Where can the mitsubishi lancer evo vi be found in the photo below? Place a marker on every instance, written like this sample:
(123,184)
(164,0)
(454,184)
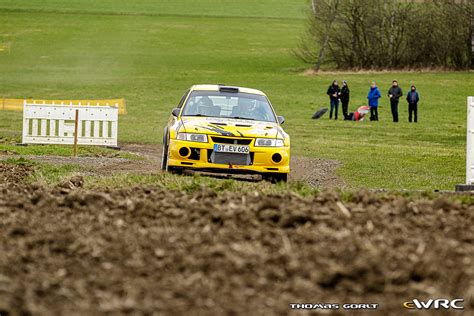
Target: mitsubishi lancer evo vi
(223,129)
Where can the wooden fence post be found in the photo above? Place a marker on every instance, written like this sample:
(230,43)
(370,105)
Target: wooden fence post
(76,124)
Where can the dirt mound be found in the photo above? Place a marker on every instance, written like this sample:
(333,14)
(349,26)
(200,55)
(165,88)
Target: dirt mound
(14,173)
(143,250)
(316,172)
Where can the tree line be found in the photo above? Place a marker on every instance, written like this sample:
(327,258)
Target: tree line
(379,34)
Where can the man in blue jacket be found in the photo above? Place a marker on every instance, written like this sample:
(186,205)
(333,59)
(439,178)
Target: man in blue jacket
(413,97)
(374,96)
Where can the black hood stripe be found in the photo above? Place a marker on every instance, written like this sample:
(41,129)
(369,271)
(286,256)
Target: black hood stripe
(217,130)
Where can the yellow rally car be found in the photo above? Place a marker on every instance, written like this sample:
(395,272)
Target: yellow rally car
(225,129)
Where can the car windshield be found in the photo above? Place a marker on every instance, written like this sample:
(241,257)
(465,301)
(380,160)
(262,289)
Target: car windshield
(229,105)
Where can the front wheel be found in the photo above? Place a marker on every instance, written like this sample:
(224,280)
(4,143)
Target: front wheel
(175,170)
(275,177)
(164,156)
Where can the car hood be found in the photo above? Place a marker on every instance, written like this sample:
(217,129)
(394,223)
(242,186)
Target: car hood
(231,127)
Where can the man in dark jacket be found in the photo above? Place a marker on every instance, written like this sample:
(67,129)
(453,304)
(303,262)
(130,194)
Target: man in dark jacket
(394,93)
(345,93)
(334,93)
(413,97)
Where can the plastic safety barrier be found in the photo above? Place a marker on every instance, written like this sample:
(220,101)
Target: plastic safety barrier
(57,124)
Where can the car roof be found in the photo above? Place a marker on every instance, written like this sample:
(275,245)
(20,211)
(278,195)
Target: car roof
(215,87)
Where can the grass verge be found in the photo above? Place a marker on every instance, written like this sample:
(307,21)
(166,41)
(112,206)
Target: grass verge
(49,175)
(8,147)
(191,183)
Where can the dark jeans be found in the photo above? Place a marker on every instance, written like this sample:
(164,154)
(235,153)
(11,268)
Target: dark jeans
(394,106)
(412,109)
(345,108)
(374,113)
(334,107)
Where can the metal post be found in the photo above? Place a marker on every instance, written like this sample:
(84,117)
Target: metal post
(76,124)
(469,186)
(470,142)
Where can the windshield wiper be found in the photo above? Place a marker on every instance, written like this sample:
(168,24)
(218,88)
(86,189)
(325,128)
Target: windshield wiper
(242,118)
(200,115)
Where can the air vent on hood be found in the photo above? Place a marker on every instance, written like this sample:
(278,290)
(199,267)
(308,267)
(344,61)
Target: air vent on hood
(243,125)
(229,89)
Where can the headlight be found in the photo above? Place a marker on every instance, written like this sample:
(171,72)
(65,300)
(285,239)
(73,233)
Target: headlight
(200,138)
(269,142)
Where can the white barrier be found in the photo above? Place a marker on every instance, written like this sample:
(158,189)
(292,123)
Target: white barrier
(470,142)
(56,123)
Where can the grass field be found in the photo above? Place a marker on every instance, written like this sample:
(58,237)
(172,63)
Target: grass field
(150,52)
(221,8)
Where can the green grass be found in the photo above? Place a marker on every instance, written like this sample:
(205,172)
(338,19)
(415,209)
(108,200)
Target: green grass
(227,8)
(154,51)
(192,183)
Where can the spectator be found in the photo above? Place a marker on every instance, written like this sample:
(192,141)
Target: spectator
(374,96)
(334,93)
(413,97)
(345,93)
(394,93)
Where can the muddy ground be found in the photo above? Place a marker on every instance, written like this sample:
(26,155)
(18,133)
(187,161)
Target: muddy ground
(70,251)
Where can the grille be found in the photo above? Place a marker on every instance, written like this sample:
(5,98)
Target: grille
(237,141)
(231,158)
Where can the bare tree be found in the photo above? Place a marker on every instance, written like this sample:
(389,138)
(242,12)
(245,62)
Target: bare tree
(313,6)
(389,34)
(332,6)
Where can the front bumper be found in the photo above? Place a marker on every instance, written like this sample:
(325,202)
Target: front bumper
(198,158)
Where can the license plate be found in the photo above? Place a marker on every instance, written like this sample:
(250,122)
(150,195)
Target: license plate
(236,149)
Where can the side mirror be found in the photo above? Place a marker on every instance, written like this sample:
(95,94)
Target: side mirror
(281,119)
(175,112)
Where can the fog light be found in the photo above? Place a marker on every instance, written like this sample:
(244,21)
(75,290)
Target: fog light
(277,158)
(184,151)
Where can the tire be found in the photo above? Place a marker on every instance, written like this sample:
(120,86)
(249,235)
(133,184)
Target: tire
(164,157)
(175,170)
(275,177)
